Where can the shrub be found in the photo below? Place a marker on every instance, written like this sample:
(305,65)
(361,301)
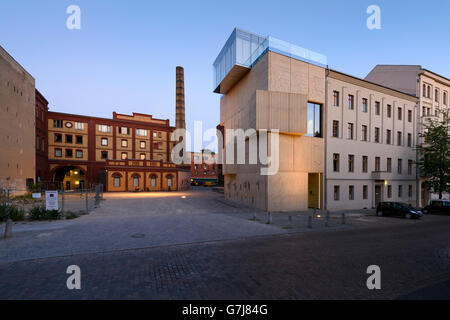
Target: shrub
(39,212)
(16,214)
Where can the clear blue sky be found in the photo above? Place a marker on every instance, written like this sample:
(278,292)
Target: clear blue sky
(124,57)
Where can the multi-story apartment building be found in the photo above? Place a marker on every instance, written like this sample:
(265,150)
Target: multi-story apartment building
(41,137)
(17,120)
(431,89)
(370,140)
(344,143)
(204,168)
(125,153)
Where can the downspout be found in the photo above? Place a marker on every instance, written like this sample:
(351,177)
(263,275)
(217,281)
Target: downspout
(325,132)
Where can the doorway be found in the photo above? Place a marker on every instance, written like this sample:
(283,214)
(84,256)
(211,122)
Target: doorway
(378,194)
(314,191)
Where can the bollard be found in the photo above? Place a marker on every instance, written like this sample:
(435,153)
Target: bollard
(62,204)
(309,222)
(254,216)
(315,213)
(87,202)
(327,219)
(8,228)
(343,218)
(269,218)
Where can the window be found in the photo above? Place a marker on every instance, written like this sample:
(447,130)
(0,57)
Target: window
(79,125)
(104,141)
(351,163)
(79,139)
(444,98)
(69,153)
(364,105)
(400,191)
(436,95)
(336,162)
(377,108)
(335,129)
(124,130)
(153,180)
(399,113)
(388,137)
(37,142)
(365,166)
(409,116)
(399,167)
(336,193)
(124,143)
(57,123)
(142,144)
(141,132)
(142,156)
(136,181)
(314,120)
(377,135)
(410,167)
(389,110)
(58,137)
(377,164)
(116,180)
(364,133)
(351,102)
(351,193)
(69,138)
(389,164)
(124,156)
(424,90)
(58,153)
(104,128)
(169,180)
(399,138)
(389,191)
(365,192)
(104,155)
(336,98)
(350,131)
(410,191)
(43,145)
(409,140)
(429,92)
(79,153)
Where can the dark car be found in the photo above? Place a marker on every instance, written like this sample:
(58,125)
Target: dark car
(397,209)
(438,207)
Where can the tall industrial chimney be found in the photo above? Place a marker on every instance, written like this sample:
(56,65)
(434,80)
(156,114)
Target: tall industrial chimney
(180,120)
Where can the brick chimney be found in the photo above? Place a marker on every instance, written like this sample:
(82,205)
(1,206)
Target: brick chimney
(180,120)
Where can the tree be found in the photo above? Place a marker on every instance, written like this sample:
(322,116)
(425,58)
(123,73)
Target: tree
(434,155)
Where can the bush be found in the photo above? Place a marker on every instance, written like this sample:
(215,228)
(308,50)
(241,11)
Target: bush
(16,214)
(71,215)
(40,213)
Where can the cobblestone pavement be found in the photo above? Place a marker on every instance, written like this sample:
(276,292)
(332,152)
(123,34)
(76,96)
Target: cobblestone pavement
(316,265)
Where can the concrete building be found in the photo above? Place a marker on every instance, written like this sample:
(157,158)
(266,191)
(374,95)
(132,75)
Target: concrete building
(344,143)
(432,91)
(17,121)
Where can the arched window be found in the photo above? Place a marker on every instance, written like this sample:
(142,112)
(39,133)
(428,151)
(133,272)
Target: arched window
(153,180)
(169,180)
(136,178)
(424,90)
(429,92)
(117,177)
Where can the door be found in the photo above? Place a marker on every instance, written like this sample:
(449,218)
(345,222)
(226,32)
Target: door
(67,185)
(378,194)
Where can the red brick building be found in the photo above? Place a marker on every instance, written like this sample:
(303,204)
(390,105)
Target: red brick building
(204,169)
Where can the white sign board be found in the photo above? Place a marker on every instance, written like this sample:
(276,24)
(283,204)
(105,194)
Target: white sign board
(36,195)
(51,200)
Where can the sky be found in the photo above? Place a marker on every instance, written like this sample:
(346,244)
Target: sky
(124,56)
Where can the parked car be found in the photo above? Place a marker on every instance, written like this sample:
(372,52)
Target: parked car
(397,209)
(437,207)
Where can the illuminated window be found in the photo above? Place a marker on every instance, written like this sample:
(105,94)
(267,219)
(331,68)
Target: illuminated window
(79,125)
(141,132)
(124,143)
(104,141)
(104,128)
(124,155)
(142,156)
(142,144)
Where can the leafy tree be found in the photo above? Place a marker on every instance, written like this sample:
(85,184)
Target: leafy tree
(434,154)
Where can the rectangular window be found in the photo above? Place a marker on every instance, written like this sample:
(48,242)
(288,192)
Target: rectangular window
(336,193)
(336,98)
(350,131)
(58,137)
(377,108)
(79,125)
(69,153)
(37,142)
(409,116)
(410,191)
(400,191)
(409,140)
(351,163)
(124,143)
(410,167)
(389,192)
(445,98)
(336,162)
(142,144)
(335,129)
(399,167)
(377,135)
(43,145)
(104,128)
(388,137)
(124,130)
(58,153)
(104,141)
(364,133)
(79,139)
(314,120)
(79,154)
(69,138)
(141,132)
(365,192)
(389,165)
(389,111)
(399,111)
(351,102)
(365,164)
(364,105)
(399,138)
(377,164)
(351,193)
(57,123)
(124,156)
(104,155)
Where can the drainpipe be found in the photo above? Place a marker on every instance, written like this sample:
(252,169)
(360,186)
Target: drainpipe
(325,135)
(416,136)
